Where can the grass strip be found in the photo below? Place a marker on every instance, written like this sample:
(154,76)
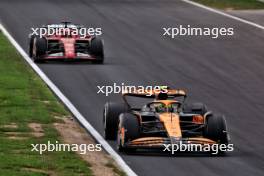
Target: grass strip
(233,4)
(25,99)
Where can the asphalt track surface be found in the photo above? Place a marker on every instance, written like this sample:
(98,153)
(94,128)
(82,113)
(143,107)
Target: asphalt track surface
(226,73)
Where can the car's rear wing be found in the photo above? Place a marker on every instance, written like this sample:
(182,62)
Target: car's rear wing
(152,93)
(155,93)
(64,24)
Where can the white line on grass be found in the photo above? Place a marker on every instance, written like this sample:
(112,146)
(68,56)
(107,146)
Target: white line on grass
(224,14)
(69,105)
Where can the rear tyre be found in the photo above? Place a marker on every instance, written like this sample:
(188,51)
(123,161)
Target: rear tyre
(112,111)
(128,129)
(39,49)
(97,49)
(215,129)
(195,108)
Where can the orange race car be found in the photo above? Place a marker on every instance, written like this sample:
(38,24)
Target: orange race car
(162,122)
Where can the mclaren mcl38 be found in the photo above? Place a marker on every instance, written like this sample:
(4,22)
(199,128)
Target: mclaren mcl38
(164,119)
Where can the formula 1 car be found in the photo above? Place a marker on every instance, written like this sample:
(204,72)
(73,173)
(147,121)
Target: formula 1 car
(165,120)
(65,45)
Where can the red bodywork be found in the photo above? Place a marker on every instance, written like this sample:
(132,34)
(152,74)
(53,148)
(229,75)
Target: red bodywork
(68,41)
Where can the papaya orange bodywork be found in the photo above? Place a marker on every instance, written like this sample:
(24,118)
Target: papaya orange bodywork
(171,122)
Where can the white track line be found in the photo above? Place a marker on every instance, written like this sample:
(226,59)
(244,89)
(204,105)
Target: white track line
(224,14)
(69,105)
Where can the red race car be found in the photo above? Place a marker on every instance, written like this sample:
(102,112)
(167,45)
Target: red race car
(67,45)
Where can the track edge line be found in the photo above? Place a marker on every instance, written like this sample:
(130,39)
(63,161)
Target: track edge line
(69,105)
(224,14)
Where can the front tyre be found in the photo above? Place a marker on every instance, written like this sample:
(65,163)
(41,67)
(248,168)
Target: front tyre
(40,48)
(128,129)
(112,110)
(215,129)
(31,42)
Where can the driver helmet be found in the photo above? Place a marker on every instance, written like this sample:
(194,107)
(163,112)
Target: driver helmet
(160,107)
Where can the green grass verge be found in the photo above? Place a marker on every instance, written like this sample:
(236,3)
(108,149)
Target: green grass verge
(233,4)
(24,98)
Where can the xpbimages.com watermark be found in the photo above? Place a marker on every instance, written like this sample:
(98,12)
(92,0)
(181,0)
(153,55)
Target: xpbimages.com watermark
(62,31)
(58,147)
(188,30)
(116,89)
(212,148)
